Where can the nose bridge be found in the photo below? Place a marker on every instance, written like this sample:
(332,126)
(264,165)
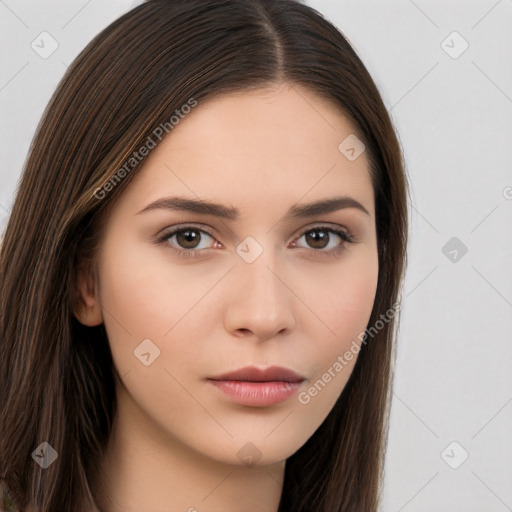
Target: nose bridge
(261,302)
(257,268)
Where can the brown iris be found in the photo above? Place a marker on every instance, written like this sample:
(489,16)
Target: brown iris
(187,237)
(317,238)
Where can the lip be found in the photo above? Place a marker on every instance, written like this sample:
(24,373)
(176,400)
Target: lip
(258,387)
(254,374)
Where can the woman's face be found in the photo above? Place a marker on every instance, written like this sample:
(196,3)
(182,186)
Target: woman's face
(246,285)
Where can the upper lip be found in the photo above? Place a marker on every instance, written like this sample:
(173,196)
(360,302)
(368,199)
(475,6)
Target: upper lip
(253,374)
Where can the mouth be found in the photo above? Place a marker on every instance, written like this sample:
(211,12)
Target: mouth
(257,387)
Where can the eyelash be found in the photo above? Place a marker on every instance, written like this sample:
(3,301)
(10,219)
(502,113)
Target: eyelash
(194,253)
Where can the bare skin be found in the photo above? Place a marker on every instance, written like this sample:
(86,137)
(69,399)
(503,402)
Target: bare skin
(179,442)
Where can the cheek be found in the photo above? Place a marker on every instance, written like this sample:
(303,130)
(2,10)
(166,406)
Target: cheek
(146,297)
(344,303)
(342,296)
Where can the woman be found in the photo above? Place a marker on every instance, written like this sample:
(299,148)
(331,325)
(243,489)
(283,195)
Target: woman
(202,270)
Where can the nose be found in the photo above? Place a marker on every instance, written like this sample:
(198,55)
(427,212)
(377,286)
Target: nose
(259,304)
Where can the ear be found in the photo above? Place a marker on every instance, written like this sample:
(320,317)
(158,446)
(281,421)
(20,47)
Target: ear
(88,310)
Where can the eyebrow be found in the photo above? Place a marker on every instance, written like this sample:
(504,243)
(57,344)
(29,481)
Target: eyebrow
(204,207)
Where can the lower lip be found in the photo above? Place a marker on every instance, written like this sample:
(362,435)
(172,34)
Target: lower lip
(257,393)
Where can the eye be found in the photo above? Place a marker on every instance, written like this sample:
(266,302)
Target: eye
(188,239)
(326,238)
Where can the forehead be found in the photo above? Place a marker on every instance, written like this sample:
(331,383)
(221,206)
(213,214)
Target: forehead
(254,146)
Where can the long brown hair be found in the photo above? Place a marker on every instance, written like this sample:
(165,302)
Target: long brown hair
(57,376)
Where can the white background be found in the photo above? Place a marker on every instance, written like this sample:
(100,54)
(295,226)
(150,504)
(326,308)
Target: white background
(453,115)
